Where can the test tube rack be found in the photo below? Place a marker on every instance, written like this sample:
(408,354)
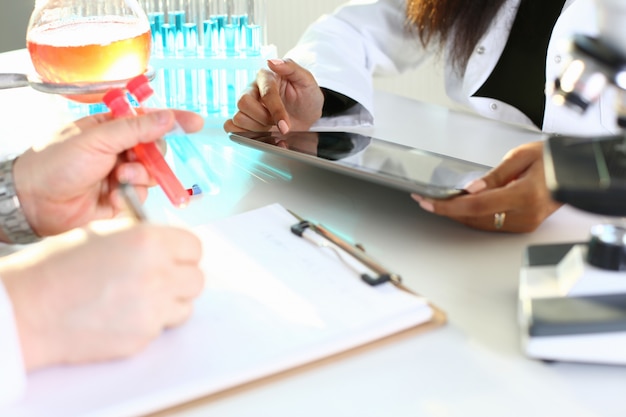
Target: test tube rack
(205,53)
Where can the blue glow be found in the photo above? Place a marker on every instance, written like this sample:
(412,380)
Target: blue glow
(212,91)
(190,164)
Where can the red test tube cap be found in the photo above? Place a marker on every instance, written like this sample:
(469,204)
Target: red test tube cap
(116,100)
(140,87)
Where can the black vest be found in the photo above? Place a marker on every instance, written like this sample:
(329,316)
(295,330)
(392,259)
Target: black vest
(519,77)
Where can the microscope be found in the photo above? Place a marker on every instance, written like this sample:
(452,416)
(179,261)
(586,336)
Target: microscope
(572,296)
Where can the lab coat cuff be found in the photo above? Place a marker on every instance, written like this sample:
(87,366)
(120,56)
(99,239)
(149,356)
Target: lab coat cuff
(356,116)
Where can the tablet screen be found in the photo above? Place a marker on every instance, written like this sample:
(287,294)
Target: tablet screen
(402,167)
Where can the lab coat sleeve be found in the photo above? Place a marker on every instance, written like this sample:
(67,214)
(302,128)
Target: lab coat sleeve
(12,372)
(344,50)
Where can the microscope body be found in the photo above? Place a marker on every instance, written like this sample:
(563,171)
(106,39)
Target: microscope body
(612,23)
(572,296)
(590,172)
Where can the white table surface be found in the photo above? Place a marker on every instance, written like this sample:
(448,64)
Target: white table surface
(473,366)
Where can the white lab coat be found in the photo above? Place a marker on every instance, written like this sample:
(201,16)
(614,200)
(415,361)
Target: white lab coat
(12,373)
(365,38)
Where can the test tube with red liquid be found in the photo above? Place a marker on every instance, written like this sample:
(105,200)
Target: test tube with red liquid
(148,153)
(193,162)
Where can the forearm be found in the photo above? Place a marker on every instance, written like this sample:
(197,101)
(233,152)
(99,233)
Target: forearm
(12,371)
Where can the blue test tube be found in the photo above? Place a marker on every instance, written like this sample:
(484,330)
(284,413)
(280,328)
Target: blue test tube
(168,39)
(238,18)
(219,76)
(176,18)
(242,20)
(255,26)
(212,91)
(190,39)
(210,37)
(190,36)
(210,96)
(156,21)
(168,36)
(253,39)
(220,22)
(231,39)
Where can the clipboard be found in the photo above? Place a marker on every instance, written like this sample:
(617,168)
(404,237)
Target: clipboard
(439,319)
(262,315)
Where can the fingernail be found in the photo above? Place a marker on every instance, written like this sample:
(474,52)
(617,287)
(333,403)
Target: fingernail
(131,155)
(424,204)
(427,205)
(283,127)
(127,174)
(276,61)
(162,116)
(475,186)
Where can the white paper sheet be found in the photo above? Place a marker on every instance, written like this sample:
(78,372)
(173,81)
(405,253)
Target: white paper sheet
(272,301)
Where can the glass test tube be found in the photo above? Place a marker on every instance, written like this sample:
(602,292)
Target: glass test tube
(148,153)
(255,26)
(192,37)
(213,29)
(191,164)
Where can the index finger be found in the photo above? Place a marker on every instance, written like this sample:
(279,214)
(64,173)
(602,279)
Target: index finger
(189,121)
(118,135)
(481,204)
(270,96)
(514,163)
(184,246)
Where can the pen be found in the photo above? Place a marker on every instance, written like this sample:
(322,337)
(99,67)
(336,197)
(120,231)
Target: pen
(132,201)
(384,275)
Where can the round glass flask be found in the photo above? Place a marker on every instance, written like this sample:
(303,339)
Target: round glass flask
(82,42)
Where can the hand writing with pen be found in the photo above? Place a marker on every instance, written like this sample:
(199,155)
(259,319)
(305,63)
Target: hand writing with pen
(91,295)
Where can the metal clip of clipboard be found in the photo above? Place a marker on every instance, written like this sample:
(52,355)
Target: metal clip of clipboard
(383,275)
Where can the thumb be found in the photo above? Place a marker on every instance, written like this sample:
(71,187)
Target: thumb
(119,135)
(513,165)
(292,72)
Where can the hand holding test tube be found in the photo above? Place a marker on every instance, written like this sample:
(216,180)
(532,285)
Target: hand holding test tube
(148,153)
(186,151)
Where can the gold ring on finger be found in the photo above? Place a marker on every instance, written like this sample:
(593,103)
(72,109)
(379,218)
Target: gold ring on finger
(498,220)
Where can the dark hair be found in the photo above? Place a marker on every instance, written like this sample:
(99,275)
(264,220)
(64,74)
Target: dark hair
(464,20)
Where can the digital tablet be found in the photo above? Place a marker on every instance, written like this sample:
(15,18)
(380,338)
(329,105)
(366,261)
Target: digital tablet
(391,164)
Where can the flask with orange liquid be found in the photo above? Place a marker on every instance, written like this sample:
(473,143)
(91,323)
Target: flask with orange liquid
(87,41)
